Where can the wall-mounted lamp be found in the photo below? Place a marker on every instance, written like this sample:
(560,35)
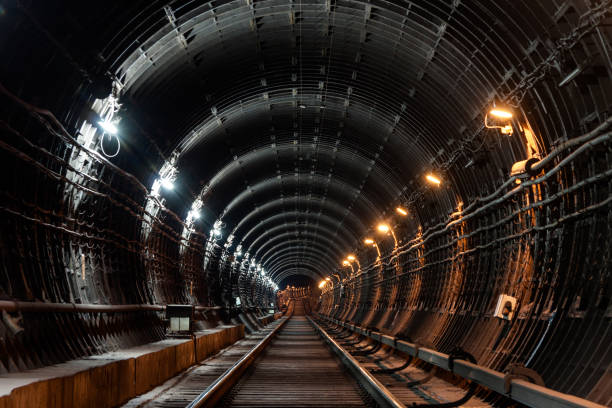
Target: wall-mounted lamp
(108,127)
(383,228)
(499,117)
(353,258)
(167,183)
(347,263)
(386,228)
(370,241)
(433,179)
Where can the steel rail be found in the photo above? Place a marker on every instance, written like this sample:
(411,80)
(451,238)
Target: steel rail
(374,387)
(232,375)
(522,391)
(19,306)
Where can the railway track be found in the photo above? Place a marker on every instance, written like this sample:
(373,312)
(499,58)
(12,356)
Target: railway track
(297,362)
(298,370)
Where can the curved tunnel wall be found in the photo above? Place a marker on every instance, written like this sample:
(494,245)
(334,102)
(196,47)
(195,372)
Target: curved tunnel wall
(296,127)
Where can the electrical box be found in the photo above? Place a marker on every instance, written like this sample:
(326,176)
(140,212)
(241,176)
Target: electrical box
(506,307)
(180,317)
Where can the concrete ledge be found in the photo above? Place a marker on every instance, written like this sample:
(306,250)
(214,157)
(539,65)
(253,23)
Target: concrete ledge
(111,379)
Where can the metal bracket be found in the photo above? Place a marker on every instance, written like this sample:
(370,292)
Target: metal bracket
(459,354)
(519,371)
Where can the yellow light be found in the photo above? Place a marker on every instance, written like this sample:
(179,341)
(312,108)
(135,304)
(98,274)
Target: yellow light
(501,113)
(321,284)
(351,257)
(400,210)
(327,279)
(433,179)
(383,228)
(368,241)
(345,263)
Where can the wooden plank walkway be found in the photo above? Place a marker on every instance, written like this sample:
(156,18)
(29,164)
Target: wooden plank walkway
(183,388)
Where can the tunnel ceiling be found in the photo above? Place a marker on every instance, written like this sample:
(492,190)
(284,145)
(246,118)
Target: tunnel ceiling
(300,124)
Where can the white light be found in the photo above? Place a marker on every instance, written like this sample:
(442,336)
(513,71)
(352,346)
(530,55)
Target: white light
(195,214)
(109,127)
(167,184)
(217,232)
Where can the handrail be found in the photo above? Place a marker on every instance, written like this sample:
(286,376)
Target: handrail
(226,381)
(19,306)
(522,391)
(374,387)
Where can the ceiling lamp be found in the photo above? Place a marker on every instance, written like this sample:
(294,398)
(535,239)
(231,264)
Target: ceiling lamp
(351,257)
(368,241)
(322,284)
(401,211)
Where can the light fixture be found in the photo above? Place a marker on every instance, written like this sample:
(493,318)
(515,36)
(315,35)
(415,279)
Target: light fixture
(433,179)
(322,284)
(351,257)
(167,184)
(345,263)
(401,211)
(383,227)
(108,127)
(501,113)
(195,214)
(328,279)
(370,241)
(501,117)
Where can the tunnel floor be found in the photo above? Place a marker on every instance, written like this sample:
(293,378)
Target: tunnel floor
(297,370)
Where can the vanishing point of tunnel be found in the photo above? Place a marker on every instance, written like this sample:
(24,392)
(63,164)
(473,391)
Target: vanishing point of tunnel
(306,203)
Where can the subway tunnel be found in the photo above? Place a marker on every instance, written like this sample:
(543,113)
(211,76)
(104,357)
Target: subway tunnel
(306,203)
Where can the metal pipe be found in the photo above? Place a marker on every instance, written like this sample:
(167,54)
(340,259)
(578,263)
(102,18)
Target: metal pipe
(19,306)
